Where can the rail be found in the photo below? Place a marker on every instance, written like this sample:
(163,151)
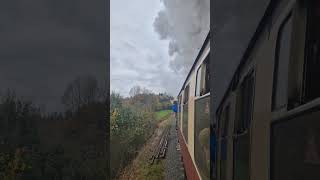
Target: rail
(160,150)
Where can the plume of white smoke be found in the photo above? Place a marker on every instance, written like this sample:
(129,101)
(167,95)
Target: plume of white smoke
(185,23)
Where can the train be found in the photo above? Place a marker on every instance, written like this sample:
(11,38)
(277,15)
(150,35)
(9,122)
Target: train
(267,125)
(193,117)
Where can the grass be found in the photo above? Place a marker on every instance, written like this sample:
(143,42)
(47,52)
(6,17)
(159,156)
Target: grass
(162,114)
(156,170)
(152,172)
(140,169)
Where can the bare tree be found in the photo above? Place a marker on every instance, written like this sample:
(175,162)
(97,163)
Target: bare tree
(81,91)
(146,91)
(135,90)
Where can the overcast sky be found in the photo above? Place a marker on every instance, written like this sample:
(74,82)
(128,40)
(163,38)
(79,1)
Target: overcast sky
(153,43)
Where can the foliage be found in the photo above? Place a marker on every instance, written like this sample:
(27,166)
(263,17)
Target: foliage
(71,145)
(58,145)
(132,122)
(152,172)
(130,127)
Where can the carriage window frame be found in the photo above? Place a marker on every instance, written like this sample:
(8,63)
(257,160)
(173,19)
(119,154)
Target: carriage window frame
(286,23)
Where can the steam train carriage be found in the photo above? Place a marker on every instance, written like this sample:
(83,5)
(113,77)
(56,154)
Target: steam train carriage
(193,117)
(268,123)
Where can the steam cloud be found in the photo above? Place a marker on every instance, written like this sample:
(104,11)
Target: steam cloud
(185,23)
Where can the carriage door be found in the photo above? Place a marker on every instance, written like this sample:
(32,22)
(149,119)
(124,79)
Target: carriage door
(241,134)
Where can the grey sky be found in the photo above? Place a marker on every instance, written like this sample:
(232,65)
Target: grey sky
(147,47)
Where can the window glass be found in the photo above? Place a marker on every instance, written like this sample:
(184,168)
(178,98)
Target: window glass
(281,71)
(185,122)
(202,136)
(205,75)
(295,142)
(224,123)
(202,78)
(179,111)
(198,83)
(186,95)
(241,142)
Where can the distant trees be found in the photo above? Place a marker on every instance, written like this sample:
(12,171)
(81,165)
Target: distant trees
(143,97)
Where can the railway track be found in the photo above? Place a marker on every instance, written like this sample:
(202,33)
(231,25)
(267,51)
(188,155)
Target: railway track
(159,152)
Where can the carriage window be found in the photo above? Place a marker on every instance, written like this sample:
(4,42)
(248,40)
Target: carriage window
(245,105)
(207,75)
(241,143)
(202,122)
(186,95)
(311,65)
(185,114)
(179,110)
(281,69)
(203,77)
(198,84)
(295,150)
(312,62)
